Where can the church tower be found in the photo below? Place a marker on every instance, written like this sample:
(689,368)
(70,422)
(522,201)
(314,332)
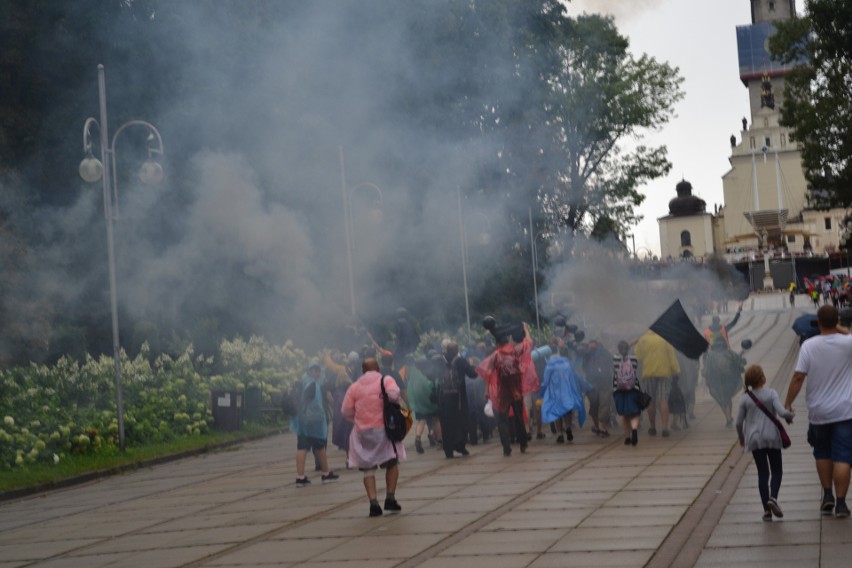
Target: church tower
(766,185)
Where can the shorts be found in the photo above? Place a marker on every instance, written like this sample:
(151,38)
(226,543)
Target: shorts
(832,441)
(310,443)
(425,415)
(390,463)
(658,387)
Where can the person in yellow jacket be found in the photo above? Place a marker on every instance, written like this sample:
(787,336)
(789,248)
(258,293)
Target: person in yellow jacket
(659,366)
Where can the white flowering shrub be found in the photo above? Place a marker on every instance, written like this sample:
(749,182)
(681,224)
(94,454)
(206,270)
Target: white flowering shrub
(50,411)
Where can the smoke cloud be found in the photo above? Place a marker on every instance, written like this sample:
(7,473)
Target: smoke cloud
(276,129)
(620,9)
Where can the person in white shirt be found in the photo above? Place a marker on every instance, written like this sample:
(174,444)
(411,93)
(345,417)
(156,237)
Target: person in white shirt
(826,361)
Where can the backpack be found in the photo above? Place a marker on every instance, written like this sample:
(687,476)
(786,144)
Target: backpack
(448,383)
(396,421)
(625,377)
(311,412)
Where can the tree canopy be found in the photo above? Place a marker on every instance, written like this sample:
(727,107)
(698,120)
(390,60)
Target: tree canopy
(818,96)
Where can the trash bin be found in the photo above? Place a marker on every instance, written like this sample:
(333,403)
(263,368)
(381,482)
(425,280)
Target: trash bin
(254,402)
(227,409)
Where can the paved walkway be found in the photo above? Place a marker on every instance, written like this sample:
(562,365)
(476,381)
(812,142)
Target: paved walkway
(688,500)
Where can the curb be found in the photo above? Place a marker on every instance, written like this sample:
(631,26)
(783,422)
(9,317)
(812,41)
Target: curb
(14,494)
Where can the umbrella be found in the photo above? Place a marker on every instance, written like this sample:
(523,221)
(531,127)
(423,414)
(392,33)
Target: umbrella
(675,327)
(806,326)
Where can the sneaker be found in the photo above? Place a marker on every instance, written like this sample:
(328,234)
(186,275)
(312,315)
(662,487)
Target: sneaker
(392,506)
(418,445)
(772,505)
(595,430)
(652,431)
(569,435)
(560,439)
(302,482)
(665,433)
(767,516)
(331,476)
(841,510)
(375,511)
(539,436)
(507,452)
(432,441)
(523,448)
(463,452)
(634,437)
(827,506)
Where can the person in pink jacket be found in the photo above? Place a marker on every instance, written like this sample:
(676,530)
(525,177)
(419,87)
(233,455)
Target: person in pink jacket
(369,446)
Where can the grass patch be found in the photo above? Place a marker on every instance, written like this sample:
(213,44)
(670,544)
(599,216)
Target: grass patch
(73,465)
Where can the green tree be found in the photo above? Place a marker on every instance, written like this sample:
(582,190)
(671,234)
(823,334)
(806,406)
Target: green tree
(818,96)
(600,98)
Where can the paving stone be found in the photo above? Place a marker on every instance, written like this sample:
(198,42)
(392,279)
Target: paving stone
(506,542)
(590,503)
(604,559)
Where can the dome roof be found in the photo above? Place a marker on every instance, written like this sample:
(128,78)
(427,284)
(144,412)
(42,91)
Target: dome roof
(685,203)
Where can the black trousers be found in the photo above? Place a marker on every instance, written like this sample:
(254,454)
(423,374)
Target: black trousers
(768,462)
(505,423)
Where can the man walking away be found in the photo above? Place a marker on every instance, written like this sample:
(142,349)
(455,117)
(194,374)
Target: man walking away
(826,361)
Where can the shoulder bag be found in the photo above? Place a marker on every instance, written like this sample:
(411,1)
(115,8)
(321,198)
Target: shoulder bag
(785,438)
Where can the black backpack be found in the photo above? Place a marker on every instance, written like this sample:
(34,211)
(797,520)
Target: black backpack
(294,400)
(448,383)
(396,426)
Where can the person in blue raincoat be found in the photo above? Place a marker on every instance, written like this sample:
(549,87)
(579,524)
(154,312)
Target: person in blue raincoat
(310,424)
(562,390)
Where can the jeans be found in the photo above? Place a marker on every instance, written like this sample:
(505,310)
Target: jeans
(768,460)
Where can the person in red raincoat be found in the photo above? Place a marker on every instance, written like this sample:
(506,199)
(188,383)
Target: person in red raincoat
(504,371)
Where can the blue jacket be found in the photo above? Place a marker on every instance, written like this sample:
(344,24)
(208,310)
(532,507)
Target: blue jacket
(562,391)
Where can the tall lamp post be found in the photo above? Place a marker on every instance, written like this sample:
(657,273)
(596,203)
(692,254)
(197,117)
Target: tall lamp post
(348,228)
(484,238)
(534,251)
(91,170)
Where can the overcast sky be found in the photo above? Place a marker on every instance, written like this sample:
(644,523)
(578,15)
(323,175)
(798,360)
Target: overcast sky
(700,39)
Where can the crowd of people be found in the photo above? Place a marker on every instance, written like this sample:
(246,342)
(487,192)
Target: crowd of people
(825,290)
(459,398)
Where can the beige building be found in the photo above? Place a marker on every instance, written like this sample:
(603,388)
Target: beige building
(765,191)
(687,231)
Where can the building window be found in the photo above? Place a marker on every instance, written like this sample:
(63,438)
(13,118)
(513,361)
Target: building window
(791,238)
(767,142)
(828,223)
(783,139)
(685,239)
(751,142)
(771,6)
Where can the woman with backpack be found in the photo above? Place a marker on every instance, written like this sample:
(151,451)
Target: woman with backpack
(625,388)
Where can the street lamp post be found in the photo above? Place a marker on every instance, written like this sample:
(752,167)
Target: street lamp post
(484,238)
(91,170)
(348,228)
(534,252)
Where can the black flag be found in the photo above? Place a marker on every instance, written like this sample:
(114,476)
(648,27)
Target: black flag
(675,327)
